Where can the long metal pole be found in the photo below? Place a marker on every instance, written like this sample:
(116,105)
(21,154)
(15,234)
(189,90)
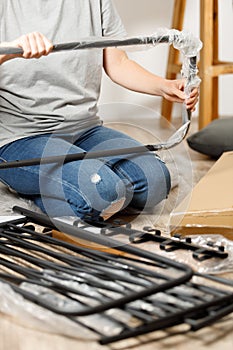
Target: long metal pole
(95,44)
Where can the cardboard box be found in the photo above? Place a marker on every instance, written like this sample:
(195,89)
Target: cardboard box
(209,207)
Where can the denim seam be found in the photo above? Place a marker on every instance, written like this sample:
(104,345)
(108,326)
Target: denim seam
(124,174)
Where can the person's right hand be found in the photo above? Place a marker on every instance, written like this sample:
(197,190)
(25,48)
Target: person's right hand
(34,45)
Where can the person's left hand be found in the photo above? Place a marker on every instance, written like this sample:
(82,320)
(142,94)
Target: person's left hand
(192,100)
(173,91)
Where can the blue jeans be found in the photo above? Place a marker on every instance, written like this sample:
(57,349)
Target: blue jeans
(94,188)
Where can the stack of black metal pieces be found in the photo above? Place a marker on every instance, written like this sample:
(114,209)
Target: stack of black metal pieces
(131,290)
(119,228)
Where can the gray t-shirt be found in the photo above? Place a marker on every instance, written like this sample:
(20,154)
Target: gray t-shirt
(59,92)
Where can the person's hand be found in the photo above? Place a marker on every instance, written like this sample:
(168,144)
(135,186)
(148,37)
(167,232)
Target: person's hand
(192,100)
(173,91)
(34,45)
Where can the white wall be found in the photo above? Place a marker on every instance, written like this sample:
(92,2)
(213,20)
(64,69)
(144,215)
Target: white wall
(144,17)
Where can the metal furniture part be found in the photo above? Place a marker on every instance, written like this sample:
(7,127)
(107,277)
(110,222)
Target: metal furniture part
(135,290)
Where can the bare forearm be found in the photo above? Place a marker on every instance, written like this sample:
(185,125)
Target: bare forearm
(131,75)
(4,58)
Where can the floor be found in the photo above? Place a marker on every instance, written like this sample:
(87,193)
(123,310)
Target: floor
(187,167)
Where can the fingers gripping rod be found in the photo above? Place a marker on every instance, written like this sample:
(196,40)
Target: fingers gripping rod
(188,45)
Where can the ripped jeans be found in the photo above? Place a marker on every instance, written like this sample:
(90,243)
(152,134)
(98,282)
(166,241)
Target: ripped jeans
(93,188)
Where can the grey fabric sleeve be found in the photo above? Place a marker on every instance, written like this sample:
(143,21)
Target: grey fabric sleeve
(111,21)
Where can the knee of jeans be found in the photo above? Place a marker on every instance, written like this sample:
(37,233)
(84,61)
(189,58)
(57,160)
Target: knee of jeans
(100,196)
(54,207)
(160,187)
(109,195)
(156,187)
(97,195)
(167,178)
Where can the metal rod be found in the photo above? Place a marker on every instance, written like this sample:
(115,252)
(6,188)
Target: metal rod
(96,43)
(170,143)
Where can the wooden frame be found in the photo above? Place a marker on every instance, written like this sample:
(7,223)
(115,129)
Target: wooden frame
(210,66)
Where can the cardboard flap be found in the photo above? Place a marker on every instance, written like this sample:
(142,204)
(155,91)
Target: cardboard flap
(210,203)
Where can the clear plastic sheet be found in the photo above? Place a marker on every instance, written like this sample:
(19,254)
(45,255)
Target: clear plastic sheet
(31,314)
(97,322)
(208,266)
(215,266)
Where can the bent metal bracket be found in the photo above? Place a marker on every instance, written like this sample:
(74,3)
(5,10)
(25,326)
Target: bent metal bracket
(186,43)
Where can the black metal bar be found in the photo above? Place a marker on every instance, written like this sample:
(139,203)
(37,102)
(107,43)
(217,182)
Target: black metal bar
(97,43)
(98,267)
(78,156)
(173,320)
(170,143)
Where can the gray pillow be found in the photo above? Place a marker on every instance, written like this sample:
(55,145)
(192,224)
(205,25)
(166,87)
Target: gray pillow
(214,139)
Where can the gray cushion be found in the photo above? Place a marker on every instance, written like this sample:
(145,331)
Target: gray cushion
(214,139)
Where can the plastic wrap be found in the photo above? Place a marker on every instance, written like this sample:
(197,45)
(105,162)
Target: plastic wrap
(33,316)
(215,266)
(208,266)
(181,40)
